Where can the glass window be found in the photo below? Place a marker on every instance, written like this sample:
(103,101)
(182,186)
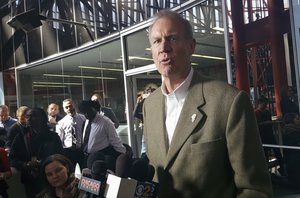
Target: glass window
(78,76)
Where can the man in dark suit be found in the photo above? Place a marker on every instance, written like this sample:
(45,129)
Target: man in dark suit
(108,112)
(201,134)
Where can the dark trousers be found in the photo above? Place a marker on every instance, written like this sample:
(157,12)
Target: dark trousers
(75,155)
(108,155)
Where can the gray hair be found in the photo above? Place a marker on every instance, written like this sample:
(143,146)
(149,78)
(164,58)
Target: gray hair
(4,107)
(67,100)
(172,14)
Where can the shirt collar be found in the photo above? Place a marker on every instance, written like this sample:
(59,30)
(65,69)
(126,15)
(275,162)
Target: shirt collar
(5,121)
(181,90)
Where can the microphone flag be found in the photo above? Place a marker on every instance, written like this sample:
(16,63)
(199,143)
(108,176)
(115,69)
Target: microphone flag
(89,185)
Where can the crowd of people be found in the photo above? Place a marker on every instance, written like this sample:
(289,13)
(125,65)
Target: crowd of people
(43,144)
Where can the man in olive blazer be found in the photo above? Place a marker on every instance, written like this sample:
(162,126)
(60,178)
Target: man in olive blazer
(201,134)
(215,151)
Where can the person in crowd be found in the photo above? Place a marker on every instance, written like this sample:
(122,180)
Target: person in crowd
(291,137)
(264,120)
(57,173)
(5,122)
(53,115)
(5,173)
(17,127)
(99,134)
(138,113)
(31,147)
(138,109)
(107,111)
(69,130)
(288,102)
(201,134)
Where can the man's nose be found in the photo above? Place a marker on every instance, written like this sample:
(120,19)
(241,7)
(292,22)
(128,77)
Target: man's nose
(165,45)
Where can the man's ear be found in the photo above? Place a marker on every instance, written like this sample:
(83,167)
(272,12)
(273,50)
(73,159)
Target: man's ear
(192,46)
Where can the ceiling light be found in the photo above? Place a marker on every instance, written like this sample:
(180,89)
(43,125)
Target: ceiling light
(51,86)
(55,83)
(218,29)
(136,58)
(139,58)
(209,57)
(73,76)
(99,68)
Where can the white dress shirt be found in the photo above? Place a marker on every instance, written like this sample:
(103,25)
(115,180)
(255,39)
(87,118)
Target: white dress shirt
(66,126)
(173,104)
(102,135)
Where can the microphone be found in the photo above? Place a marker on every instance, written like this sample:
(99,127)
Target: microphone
(93,180)
(139,170)
(123,165)
(99,170)
(151,173)
(143,173)
(137,185)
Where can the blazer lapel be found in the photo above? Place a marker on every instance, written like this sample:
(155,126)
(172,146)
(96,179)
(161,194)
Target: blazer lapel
(190,117)
(158,109)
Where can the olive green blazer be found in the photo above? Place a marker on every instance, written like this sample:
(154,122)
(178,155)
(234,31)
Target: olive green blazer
(215,152)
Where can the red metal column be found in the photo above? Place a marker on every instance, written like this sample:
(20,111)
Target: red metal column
(239,48)
(276,9)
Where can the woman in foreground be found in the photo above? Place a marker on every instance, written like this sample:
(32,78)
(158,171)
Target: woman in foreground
(57,172)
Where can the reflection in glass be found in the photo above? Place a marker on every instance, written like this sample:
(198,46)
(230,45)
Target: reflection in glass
(78,77)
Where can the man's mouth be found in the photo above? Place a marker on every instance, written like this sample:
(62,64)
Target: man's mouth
(165,61)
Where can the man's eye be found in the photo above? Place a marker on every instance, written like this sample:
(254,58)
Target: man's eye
(48,174)
(155,42)
(173,39)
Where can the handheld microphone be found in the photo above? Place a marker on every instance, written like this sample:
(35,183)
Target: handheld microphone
(139,170)
(99,170)
(93,180)
(143,173)
(123,165)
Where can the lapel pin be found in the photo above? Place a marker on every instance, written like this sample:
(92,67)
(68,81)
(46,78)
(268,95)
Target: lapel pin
(193,117)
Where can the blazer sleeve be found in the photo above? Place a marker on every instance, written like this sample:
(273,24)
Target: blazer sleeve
(245,150)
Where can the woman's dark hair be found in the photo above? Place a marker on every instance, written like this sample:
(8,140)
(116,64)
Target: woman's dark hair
(56,158)
(289,118)
(40,113)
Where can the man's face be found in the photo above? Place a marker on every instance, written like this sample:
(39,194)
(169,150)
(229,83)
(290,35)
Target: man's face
(3,115)
(171,50)
(53,110)
(69,108)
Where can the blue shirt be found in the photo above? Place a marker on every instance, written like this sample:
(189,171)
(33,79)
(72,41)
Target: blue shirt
(8,123)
